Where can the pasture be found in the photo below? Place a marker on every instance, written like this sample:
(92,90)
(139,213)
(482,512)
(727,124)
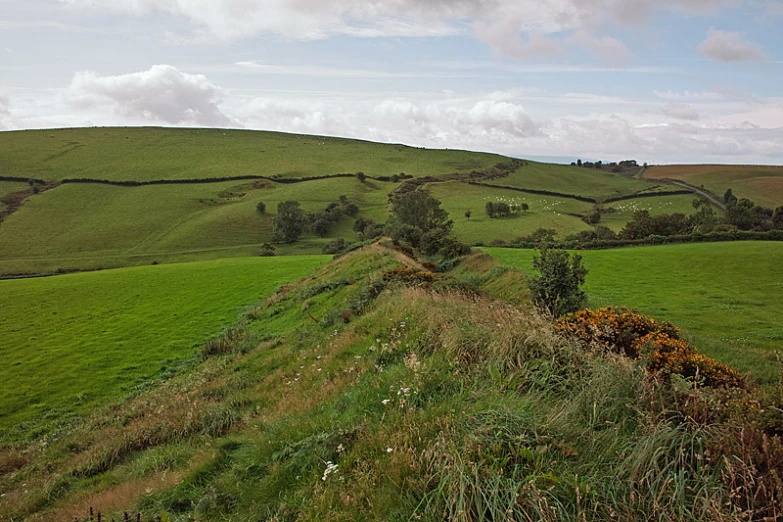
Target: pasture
(75,342)
(725,295)
(761,184)
(144,154)
(579,181)
(84,226)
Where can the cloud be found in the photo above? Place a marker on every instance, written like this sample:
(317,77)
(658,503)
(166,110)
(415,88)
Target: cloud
(689,95)
(610,51)
(161,94)
(522,29)
(5,111)
(730,46)
(681,111)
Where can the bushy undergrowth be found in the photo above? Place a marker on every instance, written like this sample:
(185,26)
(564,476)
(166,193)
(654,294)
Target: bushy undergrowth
(658,345)
(434,402)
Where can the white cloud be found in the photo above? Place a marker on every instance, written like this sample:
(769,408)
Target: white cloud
(5,111)
(681,111)
(730,46)
(610,51)
(162,94)
(522,29)
(689,95)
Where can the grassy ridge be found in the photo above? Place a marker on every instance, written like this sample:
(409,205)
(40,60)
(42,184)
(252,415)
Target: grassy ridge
(761,184)
(732,312)
(430,403)
(75,341)
(144,154)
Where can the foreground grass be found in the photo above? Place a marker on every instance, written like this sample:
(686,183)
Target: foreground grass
(72,342)
(725,295)
(430,404)
(143,154)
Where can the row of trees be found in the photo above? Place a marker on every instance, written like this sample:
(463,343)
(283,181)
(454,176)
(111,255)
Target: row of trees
(291,220)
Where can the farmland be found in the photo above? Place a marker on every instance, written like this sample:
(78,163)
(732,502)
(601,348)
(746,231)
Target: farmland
(761,184)
(75,341)
(732,312)
(144,154)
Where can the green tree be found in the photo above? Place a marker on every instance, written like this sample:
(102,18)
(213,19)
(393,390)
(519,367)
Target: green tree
(525,207)
(261,207)
(556,288)
(777,218)
(419,209)
(468,213)
(289,223)
(361,176)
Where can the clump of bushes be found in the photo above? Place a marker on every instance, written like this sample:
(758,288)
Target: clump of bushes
(657,344)
(409,276)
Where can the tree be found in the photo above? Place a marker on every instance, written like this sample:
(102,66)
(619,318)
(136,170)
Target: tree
(729,198)
(777,218)
(420,210)
(489,208)
(289,223)
(468,213)
(525,207)
(361,176)
(261,207)
(578,163)
(556,290)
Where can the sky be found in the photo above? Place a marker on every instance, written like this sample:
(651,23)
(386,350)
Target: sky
(660,81)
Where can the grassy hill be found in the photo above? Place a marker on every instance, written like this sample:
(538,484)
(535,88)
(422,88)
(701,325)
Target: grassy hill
(761,184)
(90,225)
(143,154)
(75,342)
(355,395)
(732,312)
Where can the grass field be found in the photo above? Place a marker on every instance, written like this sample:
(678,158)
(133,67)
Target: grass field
(761,184)
(143,154)
(734,312)
(91,225)
(72,342)
(545,212)
(625,209)
(575,180)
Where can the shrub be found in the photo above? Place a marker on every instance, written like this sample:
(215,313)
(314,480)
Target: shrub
(408,276)
(556,289)
(658,344)
(614,328)
(668,355)
(261,207)
(334,247)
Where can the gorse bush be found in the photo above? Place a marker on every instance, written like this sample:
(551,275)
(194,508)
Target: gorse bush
(657,344)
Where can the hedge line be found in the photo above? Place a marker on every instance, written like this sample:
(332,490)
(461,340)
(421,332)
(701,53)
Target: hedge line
(201,180)
(22,180)
(536,192)
(712,237)
(650,195)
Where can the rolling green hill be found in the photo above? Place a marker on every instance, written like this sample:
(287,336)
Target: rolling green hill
(90,225)
(144,154)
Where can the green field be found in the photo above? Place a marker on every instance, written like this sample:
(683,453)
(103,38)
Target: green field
(545,212)
(625,209)
(76,341)
(82,226)
(575,180)
(143,154)
(761,184)
(725,295)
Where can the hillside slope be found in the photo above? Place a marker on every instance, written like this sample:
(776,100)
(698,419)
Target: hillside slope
(374,390)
